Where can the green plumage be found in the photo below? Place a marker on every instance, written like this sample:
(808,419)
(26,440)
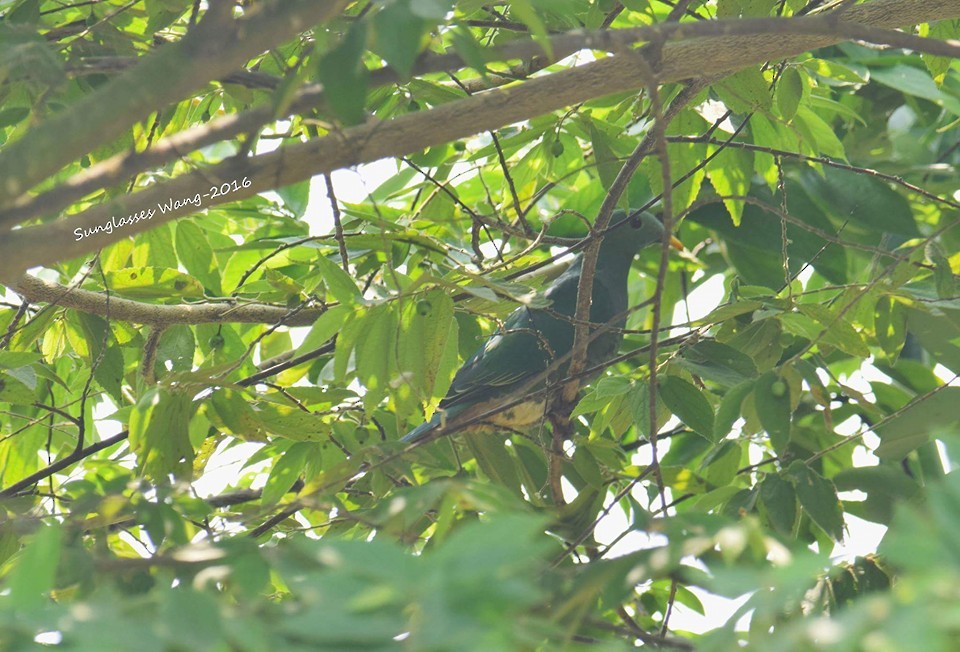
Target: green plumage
(531,339)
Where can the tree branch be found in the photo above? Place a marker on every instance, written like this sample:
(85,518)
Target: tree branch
(61,464)
(37,290)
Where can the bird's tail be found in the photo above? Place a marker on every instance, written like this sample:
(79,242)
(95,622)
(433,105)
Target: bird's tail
(421,431)
(424,430)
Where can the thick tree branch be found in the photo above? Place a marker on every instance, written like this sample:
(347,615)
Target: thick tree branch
(37,290)
(114,65)
(697,57)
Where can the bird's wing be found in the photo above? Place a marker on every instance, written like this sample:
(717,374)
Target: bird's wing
(526,345)
(506,358)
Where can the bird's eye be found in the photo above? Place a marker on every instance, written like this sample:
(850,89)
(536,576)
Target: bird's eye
(635,223)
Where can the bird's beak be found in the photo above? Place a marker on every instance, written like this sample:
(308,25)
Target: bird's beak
(676,244)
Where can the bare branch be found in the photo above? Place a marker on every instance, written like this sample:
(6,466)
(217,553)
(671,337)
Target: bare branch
(337,223)
(39,291)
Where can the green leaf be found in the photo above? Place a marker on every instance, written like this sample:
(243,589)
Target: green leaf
(177,347)
(912,427)
(469,49)
(760,340)
(524,11)
(884,485)
(943,276)
(494,460)
(26,375)
(232,412)
(397,36)
(825,106)
(34,573)
(14,391)
(755,246)
(720,465)
(744,8)
(192,619)
(731,173)
(196,254)
(685,163)
(25,51)
(601,394)
(376,357)
(430,9)
(15,359)
(938,334)
(154,283)
(863,199)
(155,249)
(837,332)
(833,72)
(729,410)
(938,66)
(608,163)
(109,372)
(159,432)
(586,465)
(789,93)
(425,329)
(327,325)
(345,77)
(729,311)
(291,423)
(818,497)
(296,197)
(688,404)
(641,409)
(908,80)
(819,136)
(779,498)
(772,402)
(575,518)
(10,117)
(718,362)
(339,284)
(285,472)
(745,91)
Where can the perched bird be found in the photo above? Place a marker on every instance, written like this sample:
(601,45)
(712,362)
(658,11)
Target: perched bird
(532,338)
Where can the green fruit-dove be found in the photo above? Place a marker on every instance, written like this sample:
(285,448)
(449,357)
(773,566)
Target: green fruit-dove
(532,338)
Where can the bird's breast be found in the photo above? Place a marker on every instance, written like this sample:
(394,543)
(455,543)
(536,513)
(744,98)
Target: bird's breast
(518,416)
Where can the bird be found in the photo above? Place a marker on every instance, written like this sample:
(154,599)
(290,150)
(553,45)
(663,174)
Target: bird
(530,339)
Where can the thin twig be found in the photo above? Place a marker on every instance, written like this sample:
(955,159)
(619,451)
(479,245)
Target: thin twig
(660,142)
(14,323)
(337,223)
(61,464)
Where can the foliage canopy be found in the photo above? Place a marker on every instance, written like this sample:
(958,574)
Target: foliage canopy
(195,324)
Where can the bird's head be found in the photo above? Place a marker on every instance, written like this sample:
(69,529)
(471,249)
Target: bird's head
(628,235)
